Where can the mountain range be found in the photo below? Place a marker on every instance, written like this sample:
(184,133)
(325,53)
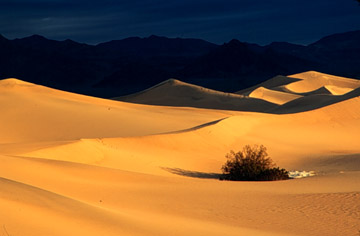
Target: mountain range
(121,67)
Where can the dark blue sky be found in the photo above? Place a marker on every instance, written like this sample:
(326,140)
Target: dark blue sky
(217,21)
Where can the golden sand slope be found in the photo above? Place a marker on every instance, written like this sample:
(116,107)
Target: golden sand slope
(298,137)
(33,113)
(71,166)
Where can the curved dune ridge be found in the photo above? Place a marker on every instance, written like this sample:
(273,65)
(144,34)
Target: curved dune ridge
(177,93)
(79,165)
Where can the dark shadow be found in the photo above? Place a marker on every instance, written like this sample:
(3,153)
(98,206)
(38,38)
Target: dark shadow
(193,174)
(194,128)
(313,102)
(200,126)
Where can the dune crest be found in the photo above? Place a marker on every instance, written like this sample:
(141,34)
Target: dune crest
(10,82)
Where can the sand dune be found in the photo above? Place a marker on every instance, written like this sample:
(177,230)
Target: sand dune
(336,90)
(32,113)
(272,83)
(303,92)
(307,83)
(323,90)
(133,204)
(313,80)
(300,136)
(177,93)
(315,101)
(273,96)
(281,94)
(77,165)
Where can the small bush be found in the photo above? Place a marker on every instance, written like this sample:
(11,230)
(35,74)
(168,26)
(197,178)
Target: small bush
(252,164)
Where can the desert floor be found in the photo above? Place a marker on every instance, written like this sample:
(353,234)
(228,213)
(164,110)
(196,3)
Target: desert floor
(78,165)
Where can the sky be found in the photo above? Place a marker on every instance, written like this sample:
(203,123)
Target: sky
(217,21)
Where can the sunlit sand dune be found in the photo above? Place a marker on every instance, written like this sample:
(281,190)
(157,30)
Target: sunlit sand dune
(36,113)
(298,137)
(335,90)
(78,165)
(273,96)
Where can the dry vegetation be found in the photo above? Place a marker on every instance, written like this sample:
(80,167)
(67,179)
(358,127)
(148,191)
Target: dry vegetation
(252,164)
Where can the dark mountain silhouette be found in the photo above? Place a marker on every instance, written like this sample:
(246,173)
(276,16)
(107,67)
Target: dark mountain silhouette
(155,46)
(125,66)
(236,60)
(284,47)
(338,42)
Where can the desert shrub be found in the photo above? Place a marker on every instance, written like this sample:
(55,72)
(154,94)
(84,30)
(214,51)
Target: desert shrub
(251,164)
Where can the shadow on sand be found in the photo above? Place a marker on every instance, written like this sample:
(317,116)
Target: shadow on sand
(193,174)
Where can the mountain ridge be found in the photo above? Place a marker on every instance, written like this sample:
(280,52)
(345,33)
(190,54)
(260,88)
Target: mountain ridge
(129,65)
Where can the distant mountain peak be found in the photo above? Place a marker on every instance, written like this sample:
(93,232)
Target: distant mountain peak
(69,41)
(35,37)
(340,40)
(156,37)
(234,42)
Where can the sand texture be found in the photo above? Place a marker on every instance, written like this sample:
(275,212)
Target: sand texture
(78,165)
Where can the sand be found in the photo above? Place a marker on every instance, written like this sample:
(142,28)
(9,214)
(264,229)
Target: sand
(273,96)
(177,93)
(78,165)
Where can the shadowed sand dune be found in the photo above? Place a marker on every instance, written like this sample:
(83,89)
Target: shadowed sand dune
(177,93)
(315,101)
(77,165)
(272,83)
(307,83)
(313,80)
(281,94)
